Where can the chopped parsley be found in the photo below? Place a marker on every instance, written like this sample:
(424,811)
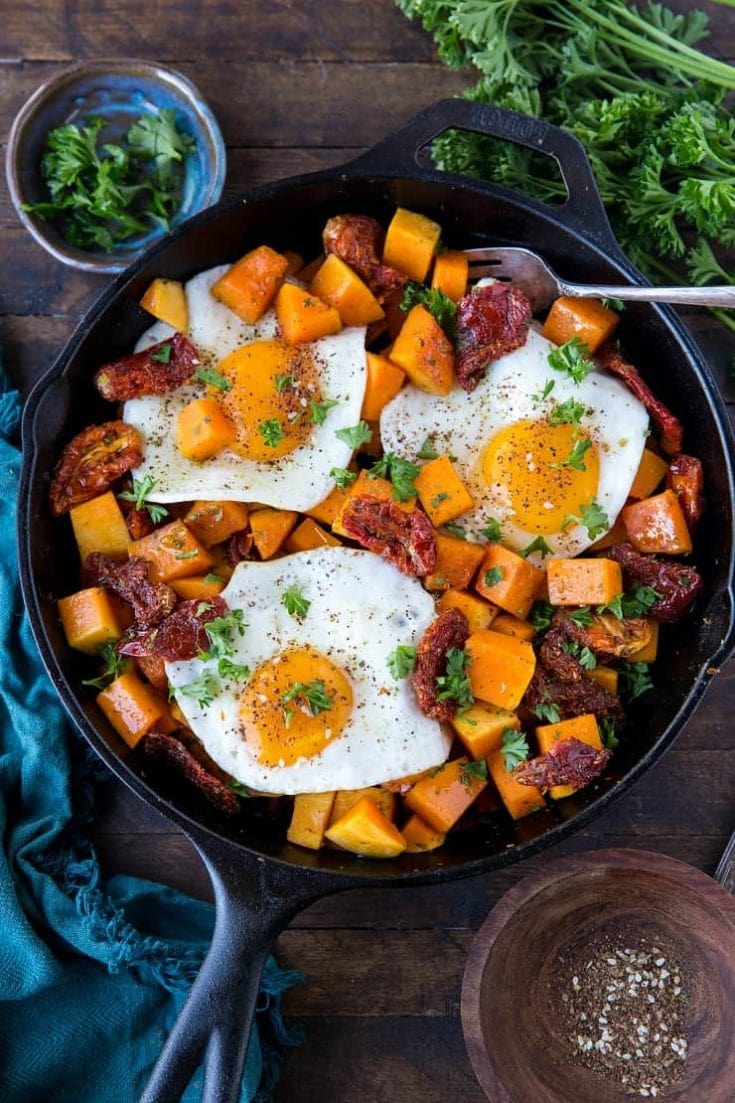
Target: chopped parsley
(538,544)
(540,616)
(439,305)
(547,711)
(400,472)
(284,383)
(473,771)
(294,602)
(141,490)
(454,684)
(402,661)
(203,689)
(494,576)
(540,396)
(636,603)
(636,679)
(586,657)
(318,410)
(213,378)
(575,458)
(567,413)
(342,477)
(427,451)
(271,431)
(591,517)
(114,666)
(212,578)
(492,531)
(219,632)
(236,671)
(514,748)
(456,530)
(191,554)
(162,355)
(572,359)
(607,733)
(437,501)
(355,435)
(312,694)
(582,616)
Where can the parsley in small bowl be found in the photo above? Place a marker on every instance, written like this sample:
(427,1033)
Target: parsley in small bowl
(108,156)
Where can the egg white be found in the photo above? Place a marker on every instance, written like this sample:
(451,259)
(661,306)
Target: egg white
(361,609)
(462,423)
(298,480)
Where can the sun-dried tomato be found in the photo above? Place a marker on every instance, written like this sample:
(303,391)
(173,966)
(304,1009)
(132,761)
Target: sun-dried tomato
(407,540)
(139,523)
(607,636)
(240,546)
(169,751)
(678,584)
(450,629)
(570,698)
(567,762)
(686,478)
(358,240)
(491,322)
(671,432)
(182,635)
(157,370)
(151,601)
(92,461)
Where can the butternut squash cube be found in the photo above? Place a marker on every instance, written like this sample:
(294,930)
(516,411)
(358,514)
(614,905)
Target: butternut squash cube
(310,535)
(658,525)
(410,243)
(383,799)
(450,274)
(89,620)
(302,316)
(424,352)
(134,708)
(213,522)
(166,300)
(456,563)
(420,836)
(441,491)
(501,667)
(649,475)
(509,580)
(583,581)
(270,527)
(153,669)
(249,287)
(99,526)
(587,319)
(444,794)
(203,429)
(310,818)
(648,653)
(584,728)
(364,830)
(173,552)
(512,626)
(198,587)
(327,511)
(519,800)
(481,727)
(384,381)
(605,676)
(479,614)
(337,285)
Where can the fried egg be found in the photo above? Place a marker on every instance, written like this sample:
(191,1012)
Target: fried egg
(269,380)
(512,451)
(265,729)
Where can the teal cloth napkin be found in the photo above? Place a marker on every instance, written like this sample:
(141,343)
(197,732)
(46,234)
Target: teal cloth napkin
(92,975)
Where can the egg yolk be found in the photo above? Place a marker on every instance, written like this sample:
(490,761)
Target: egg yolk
(272,384)
(527,467)
(294,706)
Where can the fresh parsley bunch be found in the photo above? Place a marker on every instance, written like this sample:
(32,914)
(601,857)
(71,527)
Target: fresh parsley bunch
(104,194)
(627,81)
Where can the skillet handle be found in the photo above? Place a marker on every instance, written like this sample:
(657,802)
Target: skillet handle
(583,211)
(254,901)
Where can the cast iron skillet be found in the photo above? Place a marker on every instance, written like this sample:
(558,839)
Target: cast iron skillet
(260,881)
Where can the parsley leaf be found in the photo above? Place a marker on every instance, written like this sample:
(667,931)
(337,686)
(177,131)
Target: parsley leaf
(456,530)
(236,671)
(454,684)
(219,632)
(540,396)
(203,689)
(636,603)
(284,383)
(271,431)
(540,616)
(514,748)
(141,490)
(587,658)
(538,544)
(355,435)
(427,451)
(567,413)
(342,477)
(439,305)
(636,679)
(213,378)
(492,531)
(312,695)
(591,517)
(607,733)
(472,771)
(575,458)
(400,472)
(438,499)
(162,355)
(114,666)
(294,602)
(402,661)
(494,576)
(318,410)
(547,711)
(572,359)
(582,616)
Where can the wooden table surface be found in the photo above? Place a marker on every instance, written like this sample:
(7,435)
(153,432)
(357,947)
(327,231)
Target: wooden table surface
(299,85)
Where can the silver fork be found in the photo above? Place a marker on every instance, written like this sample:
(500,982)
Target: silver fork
(532,274)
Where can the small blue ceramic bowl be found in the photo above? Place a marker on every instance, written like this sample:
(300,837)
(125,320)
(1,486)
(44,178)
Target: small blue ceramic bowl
(120,91)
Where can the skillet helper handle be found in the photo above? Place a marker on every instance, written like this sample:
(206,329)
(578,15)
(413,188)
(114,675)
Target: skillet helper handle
(254,902)
(725,872)
(583,210)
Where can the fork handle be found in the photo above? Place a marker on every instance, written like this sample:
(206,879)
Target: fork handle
(689,296)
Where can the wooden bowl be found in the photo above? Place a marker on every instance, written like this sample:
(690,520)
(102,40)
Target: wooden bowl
(519,1053)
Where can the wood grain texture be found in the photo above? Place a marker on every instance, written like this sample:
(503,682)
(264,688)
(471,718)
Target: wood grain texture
(299,86)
